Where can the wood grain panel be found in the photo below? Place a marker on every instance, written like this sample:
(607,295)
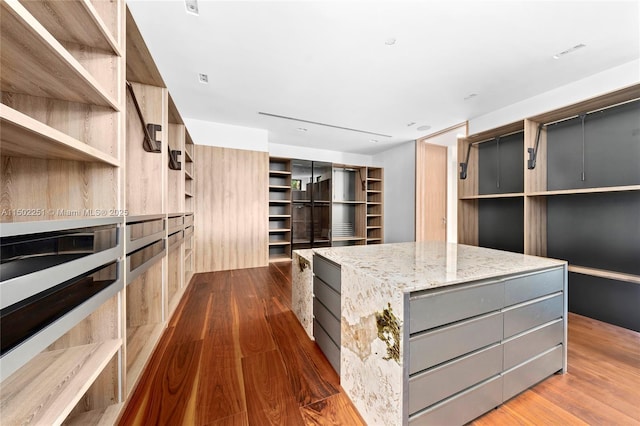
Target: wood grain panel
(176,184)
(94,125)
(431,191)
(231,213)
(269,399)
(146,171)
(535,226)
(112,14)
(174,278)
(141,67)
(102,65)
(144,298)
(334,410)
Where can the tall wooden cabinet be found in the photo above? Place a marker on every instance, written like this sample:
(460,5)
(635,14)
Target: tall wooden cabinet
(564,184)
(96,230)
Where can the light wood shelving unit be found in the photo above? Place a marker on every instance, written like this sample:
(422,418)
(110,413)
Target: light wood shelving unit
(349,205)
(71,144)
(375,203)
(62,153)
(279,209)
(553,188)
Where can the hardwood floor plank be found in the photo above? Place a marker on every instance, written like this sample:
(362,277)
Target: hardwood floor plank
(311,377)
(334,410)
(171,391)
(269,398)
(190,327)
(253,329)
(239,419)
(532,409)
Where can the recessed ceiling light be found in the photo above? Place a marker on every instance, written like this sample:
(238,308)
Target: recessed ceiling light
(373,140)
(390,41)
(471,96)
(411,124)
(570,50)
(203,78)
(192,6)
(301,129)
(423,128)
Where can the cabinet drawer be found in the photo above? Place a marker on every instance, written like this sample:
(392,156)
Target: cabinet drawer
(434,308)
(463,407)
(526,346)
(434,385)
(174,223)
(327,295)
(532,286)
(328,271)
(328,322)
(329,349)
(532,372)
(437,346)
(530,315)
(188,220)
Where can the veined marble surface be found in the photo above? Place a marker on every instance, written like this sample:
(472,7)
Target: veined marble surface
(302,288)
(432,264)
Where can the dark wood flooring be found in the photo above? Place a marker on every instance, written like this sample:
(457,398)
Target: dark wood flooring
(235,354)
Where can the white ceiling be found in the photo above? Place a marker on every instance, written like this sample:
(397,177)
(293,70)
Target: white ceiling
(327,61)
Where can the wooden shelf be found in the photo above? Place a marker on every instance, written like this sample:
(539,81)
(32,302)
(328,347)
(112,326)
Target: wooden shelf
(586,190)
(187,155)
(28,48)
(105,416)
(374,239)
(374,215)
(22,136)
(374,203)
(605,274)
(279,216)
(279,187)
(348,238)
(374,180)
(374,227)
(280,258)
(351,202)
(49,386)
(188,194)
(141,342)
(279,202)
(187,175)
(279,243)
(279,173)
(374,191)
(493,196)
(276,230)
(74,21)
(187,253)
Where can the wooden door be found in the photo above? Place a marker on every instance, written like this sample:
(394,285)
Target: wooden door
(431,192)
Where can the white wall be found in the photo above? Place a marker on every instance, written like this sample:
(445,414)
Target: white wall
(597,84)
(399,192)
(227,136)
(305,153)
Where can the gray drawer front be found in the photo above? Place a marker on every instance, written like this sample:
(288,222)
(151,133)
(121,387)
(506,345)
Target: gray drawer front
(532,315)
(434,385)
(434,308)
(526,346)
(330,350)
(463,407)
(327,295)
(532,372)
(532,286)
(328,271)
(328,322)
(437,346)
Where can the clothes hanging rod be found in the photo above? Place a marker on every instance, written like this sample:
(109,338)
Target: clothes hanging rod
(574,116)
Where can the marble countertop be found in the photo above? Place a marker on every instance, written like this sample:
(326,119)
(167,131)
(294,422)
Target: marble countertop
(427,265)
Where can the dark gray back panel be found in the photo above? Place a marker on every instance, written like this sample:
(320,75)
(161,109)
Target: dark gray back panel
(612,301)
(612,149)
(501,224)
(501,166)
(596,230)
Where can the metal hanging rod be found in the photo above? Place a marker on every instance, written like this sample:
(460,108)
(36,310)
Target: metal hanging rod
(572,117)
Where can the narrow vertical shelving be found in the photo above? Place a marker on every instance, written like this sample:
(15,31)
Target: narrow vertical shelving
(349,205)
(375,202)
(279,209)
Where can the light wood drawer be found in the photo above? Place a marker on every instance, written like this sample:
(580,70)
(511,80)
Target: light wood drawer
(528,374)
(528,345)
(329,349)
(188,220)
(434,308)
(329,323)
(530,315)
(440,345)
(528,287)
(174,223)
(463,407)
(328,271)
(434,385)
(327,295)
